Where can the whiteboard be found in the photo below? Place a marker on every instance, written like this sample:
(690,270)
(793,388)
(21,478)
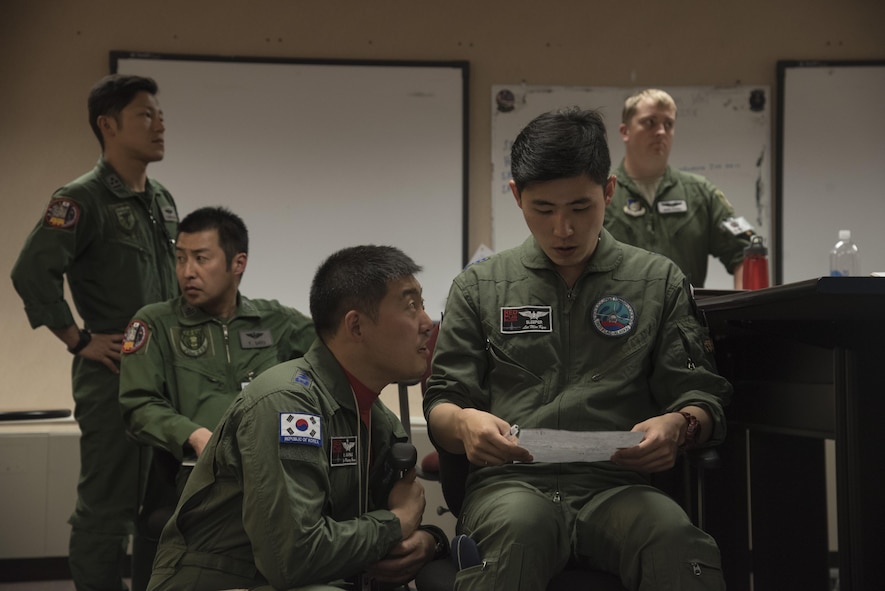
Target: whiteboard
(718,135)
(831,164)
(316,156)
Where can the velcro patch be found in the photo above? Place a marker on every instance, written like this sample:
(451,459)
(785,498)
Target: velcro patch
(613,316)
(135,337)
(675,206)
(343,451)
(296,427)
(526,319)
(737,226)
(256,339)
(61,214)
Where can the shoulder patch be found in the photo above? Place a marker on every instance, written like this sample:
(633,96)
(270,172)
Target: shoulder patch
(62,214)
(613,316)
(135,337)
(296,427)
(301,378)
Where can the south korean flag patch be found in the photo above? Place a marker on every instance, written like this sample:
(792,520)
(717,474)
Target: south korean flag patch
(301,428)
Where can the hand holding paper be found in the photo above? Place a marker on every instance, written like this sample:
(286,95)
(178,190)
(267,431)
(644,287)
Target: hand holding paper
(553,445)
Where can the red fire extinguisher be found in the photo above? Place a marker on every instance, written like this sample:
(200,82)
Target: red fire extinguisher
(755,274)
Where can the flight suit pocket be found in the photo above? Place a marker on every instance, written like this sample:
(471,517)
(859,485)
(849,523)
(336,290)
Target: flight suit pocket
(516,388)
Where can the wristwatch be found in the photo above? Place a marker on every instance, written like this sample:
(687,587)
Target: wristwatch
(441,550)
(692,432)
(85,338)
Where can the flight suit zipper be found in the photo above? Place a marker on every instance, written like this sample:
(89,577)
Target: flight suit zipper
(160,238)
(226,342)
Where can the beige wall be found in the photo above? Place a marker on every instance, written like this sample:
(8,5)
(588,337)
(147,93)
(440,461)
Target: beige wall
(52,51)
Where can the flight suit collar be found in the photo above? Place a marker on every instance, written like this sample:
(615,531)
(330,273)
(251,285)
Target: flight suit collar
(189,315)
(607,256)
(334,381)
(667,182)
(113,182)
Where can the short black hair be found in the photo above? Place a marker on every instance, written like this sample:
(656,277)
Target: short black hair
(565,143)
(112,94)
(233,237)
(355,278)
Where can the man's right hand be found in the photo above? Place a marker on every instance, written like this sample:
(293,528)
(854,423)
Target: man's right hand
(485,438)
(406,501)
(104,348)
(198,440)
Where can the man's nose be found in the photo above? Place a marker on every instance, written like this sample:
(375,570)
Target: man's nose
(562,225)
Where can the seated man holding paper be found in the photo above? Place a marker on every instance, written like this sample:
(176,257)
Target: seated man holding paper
(574,331)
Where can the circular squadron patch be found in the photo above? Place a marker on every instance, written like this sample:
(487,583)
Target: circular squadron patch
(135,337)
(62,213)
(193,341)
(613,316)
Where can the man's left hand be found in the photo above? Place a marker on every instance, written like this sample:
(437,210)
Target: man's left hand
(404,561)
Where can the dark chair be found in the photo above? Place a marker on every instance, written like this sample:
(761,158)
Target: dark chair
(164,482)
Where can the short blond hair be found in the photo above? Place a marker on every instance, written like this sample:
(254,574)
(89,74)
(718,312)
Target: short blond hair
(661,98)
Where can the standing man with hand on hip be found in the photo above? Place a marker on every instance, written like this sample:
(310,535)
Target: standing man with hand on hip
(680,215)
(111,233)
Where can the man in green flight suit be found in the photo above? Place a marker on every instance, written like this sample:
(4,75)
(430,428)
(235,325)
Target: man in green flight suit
(574,331)
(111,233)
(184,360)
(680,215)
(295,488)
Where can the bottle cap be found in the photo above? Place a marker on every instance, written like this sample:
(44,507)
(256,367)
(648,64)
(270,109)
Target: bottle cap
(844,234)
(756,246)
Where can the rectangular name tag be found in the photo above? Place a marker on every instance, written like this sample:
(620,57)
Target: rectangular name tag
(672,207)
(256,339)
(526,319)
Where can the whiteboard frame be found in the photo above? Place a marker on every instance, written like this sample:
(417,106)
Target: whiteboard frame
(834,132)
(433,86)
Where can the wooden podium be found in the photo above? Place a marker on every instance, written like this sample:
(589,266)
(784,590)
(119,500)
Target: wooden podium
(806,361)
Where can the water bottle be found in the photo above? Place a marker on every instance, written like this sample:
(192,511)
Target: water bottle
(845,257)
(755,273)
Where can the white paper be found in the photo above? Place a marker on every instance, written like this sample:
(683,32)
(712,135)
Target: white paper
(552,445)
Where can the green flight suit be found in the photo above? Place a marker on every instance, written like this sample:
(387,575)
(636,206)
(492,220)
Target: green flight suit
(620,346)
(283,494)
(181,368)
(179,371)
(689,220)
(116,248)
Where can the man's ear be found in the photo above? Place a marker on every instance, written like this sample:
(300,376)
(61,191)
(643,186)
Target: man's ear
(352,325)
(107,125)
(609,190)
(238,264)
(622,129)
(515,192)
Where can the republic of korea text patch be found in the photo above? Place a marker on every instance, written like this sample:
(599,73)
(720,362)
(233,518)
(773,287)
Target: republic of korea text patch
(297,427)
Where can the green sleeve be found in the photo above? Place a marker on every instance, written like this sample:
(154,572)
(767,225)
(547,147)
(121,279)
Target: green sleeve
(145,397)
